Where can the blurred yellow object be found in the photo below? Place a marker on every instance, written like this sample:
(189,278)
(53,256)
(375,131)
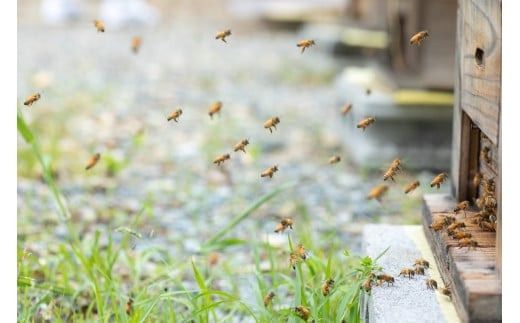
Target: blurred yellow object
(421,98)
(357,37)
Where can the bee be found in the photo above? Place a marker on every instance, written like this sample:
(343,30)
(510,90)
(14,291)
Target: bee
(269,298)
(446,290)
(484,153)
(392,170)
(100,26)
(410,272)
(418,38)
(175,115)
(490,202)
(466,242)
(214,108)
(223,34)
(462,206)
(269,171)
(411,187)
(334,159)
(368,91)
(456,225)
(346,109)
(283,225)
(305,44)
(327,286)
(303,312)
(241,145)
(271,123)
(136,44)
(441,221)
(458,235)
(129,307)
(31,99)
(213,258)
(419,270)
(477,179)
(488,226)
(438,180)
(294,259)
(384,278)
(422,262)
(377,192)
(219,160)
(302,253)
(93,160)
(365,123)
(431,284)
(367,285)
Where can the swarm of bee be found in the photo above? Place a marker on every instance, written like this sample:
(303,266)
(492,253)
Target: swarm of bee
(93,160)
(334,159)
(174,115)
(221,159)
(214,108)
(306,43)
(346,109)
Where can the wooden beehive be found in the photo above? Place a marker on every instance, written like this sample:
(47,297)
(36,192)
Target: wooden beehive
(474,275)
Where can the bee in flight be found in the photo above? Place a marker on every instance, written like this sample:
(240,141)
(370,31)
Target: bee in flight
(366,122)
(175,115)
(392,170)
(31,99)
(305,44)
(377,192)
(327,286)
(100,26)
(219,160)
(241,145)
(129,307)
(346,109)
(283,225)
(136,44)
(334,159)
(214,108)
(271,123)
(223,34)
(269,298)
(411,187)
(269,171)
(303,312)
(418,38)
(93,160)
(438,180)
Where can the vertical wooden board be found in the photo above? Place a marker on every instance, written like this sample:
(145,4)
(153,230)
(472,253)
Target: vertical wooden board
(457,144)
(481,63)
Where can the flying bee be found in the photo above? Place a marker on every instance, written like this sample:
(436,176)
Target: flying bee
(438,180)
(484,153)
(476,179)
(384,278)
(93,160)
(302,253)
(219,160)
(241,145)
(269,171)
(366,122)
(223,34)
(368,91)
(271,123)
(294,259)
(305,44)
(419,270)
(418,38)
(303,312)
(327,286)
(410,272)
(31,99)
(346,109)
(392,170)
(367,285)
(174,115)
(269,298)
(334,159)
(136,44)
(422,262)
(377,192)
(431,284)
(466,242)
(100,26)
(462,206)
(129,307)
(214,108)
(283,225)
(458,235)
(411,187)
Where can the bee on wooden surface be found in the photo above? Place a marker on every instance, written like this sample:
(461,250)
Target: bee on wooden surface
(488,226)
(431,284)
(411,187)
(477,179)
(223,34)
(418,38)
(271,123)
(490,202)
(410,272)
(484,153)
(269,171)
(129,306)
(366,122)
(438,180)
(305,44)
(466,242)
(346,109)
(219,160)
(283,225)
(215,108)
(174,115)
(269,298)
(377,192)
(100,26)
(241,145)
(303,312)
(294,259)
(334,159)
(419,270)
(462,206)
(457,235)
(384,278)
(93,160)
(422,262)
(213,258)
(31,99)
(440,222)
(367,285)
(456,225)
(136,44)
(302,253)
(327,286)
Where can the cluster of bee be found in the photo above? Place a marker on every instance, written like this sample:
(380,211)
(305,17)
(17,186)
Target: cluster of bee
(487,204)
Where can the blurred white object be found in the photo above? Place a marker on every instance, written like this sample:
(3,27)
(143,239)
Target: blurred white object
(118,13)
(56,12)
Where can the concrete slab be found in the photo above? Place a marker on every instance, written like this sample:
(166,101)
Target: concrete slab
(408,301)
